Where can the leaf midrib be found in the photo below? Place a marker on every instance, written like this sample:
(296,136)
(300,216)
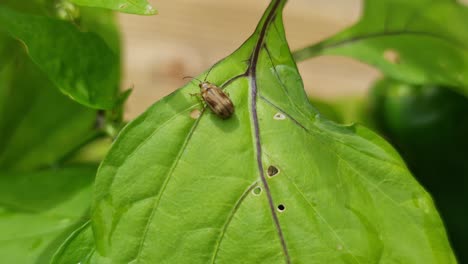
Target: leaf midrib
(252,71)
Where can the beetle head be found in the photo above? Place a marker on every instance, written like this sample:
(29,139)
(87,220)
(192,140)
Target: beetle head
(204,85)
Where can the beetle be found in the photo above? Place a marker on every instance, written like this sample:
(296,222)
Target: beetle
(218,101)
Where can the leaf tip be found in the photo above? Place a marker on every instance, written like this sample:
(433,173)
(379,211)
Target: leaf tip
(150,10)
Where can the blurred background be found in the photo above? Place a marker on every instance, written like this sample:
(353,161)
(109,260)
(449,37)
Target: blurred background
(188,36)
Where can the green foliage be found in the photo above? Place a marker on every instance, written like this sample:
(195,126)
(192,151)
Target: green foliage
(275,183)
(38,209)
(78,248)
(346,110)
(418,42)
(141,7)
(79,63)
(43,194)
(38,124)
(176,189)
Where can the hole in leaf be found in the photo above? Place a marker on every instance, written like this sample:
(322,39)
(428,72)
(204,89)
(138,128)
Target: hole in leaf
(281,208)
(257,190)
(272,171)
(279,116)
(392,56)
(195,114)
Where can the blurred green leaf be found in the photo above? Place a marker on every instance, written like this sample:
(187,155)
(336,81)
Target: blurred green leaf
(80,64)
(78,248)
(37,7)
(327,109)
(103,23)
(418,41)
(345,110)
(38,124)
(140,7)
(275,183)
(38,209)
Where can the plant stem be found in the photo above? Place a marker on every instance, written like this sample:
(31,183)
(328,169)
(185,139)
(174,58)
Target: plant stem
(308,52)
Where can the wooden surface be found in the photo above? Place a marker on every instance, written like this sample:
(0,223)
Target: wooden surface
(188,36)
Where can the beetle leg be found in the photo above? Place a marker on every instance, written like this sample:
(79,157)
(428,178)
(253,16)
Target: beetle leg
(199,98)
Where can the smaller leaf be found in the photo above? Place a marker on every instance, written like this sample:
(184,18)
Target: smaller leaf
(38,124)
(418,42)
(80,64)
(139,7)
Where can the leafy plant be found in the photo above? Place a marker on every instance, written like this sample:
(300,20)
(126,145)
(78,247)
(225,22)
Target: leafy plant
(419,41)
(275,183)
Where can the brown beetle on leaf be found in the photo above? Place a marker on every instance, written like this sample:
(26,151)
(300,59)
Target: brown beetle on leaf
(218,101)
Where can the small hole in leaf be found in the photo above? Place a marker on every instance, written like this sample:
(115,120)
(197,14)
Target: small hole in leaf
(257,191)
(281,208)
(392,56)
(195,114)
(272,171)
(279,116)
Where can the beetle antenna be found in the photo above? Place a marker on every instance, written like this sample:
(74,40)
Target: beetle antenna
(208,73)
(191,78)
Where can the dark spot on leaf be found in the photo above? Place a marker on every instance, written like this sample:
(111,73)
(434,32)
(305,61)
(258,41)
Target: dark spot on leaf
(272,171)
(281,208)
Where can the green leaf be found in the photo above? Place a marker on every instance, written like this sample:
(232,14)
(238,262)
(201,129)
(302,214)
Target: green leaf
(38,209)
(80,64)
(419,42)
(78,248)
(38,124)
(103,23)
(345,110)
(140,7)
(275,183)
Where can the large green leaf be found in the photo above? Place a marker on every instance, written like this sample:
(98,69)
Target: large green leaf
(38,124)
(80,64)
(275,183)
(38,209)
(418,41)
(140,7)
